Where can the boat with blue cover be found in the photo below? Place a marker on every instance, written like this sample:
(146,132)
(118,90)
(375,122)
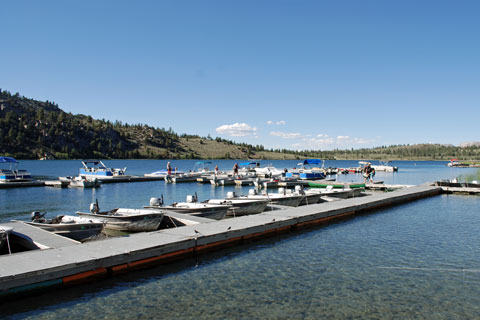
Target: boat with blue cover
(97,169)
(307,171)
(13,174)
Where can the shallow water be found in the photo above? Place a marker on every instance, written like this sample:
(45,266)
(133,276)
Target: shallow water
(420,260)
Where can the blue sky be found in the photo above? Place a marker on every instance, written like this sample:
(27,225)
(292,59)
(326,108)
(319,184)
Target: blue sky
(285,74)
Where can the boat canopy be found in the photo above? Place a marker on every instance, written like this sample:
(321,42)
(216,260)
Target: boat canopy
(7,160)
(312,161)
(203,162)
(249,163)
(93,162)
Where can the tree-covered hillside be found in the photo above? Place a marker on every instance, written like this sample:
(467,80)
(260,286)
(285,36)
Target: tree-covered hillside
(32,129)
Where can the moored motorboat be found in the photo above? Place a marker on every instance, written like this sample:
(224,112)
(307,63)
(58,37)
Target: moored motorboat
(76,228)
(183,177)
(222,180)
(240,207)
(4,234)
(13,174)
(330,191)
(81,182)
(308,198)
(162,173)
(269,172)
(97,169)
(126,220)
(307,171)
(336,185)
(281,198)
(383,166)
(193,207)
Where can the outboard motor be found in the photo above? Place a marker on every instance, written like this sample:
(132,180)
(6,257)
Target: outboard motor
(94,207)
(37,216)
(299,190)
(252,192)
(230,194)
(281,190)
(155,202)
(190,199)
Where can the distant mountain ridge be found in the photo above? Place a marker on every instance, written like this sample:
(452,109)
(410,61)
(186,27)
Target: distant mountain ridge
(470,144)
(32,129)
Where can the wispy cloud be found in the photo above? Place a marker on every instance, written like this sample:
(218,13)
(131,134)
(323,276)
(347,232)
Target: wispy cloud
(278,123)
(237,130)
(286,135)
(321,140)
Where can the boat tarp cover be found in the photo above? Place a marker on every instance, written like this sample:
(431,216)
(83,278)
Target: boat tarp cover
(7,160)
(312,161)
(248,163)
(336,186)
(203,162)
(94,162)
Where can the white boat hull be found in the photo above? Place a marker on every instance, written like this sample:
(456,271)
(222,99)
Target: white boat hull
(129,220)
(242,207)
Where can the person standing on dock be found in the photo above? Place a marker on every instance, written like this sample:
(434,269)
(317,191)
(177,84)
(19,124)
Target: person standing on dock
(372,174)
(367,173)
(235,170)
(216,170)
(169,168)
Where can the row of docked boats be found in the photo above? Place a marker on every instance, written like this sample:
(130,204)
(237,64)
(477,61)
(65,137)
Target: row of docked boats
(93,172)
(249,173)
(87,225)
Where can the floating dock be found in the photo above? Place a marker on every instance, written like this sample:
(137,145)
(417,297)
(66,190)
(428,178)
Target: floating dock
(461,190)
(75,263)
(22,184)
(63,184)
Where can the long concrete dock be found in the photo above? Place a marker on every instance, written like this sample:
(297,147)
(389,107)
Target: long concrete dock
(67,265)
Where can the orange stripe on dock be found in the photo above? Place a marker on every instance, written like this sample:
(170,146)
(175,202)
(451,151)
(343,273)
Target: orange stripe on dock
(84,276)
(217,244)
(158,259)
(324,220)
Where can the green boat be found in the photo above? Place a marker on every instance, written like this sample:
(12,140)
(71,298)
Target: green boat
(337,186)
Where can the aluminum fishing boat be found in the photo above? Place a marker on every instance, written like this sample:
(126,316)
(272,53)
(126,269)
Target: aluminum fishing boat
(193,207)
(81,182)
(4,234)
(72,227)
(281,198)
(126,220)
(240,206)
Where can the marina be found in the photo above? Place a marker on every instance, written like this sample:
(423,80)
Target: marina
(98,259)
(184,238)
